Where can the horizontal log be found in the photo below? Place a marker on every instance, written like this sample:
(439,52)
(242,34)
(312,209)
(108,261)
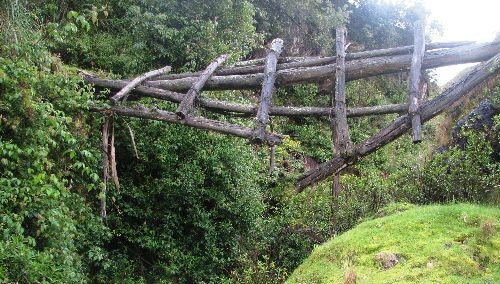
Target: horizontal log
(193,121)
(257,65)
(355,69)
(224,106)
(402,124)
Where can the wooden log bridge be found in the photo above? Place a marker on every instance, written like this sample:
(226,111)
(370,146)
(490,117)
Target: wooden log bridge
(275,71)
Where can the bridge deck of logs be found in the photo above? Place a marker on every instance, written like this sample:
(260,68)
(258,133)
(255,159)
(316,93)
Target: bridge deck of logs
(274,71)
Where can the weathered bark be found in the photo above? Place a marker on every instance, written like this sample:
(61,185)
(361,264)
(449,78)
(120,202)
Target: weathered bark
(415,84)
(257,65)
(137,81)
(224,106)
(343,144)
(196,122)
(402,124)
(105,165)
(187,102)
(112,158)
(267,90)
(342,141)
(355,69)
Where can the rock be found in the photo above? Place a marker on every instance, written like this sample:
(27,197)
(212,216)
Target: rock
(387,260)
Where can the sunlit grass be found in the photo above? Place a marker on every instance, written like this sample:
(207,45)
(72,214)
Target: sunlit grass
(435,244)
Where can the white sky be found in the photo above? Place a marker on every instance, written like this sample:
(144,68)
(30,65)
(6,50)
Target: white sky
(462,20)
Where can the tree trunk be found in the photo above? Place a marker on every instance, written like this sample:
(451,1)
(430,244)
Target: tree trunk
(267,90)
(137,81)
(415,84)
(187,102)
(196,122)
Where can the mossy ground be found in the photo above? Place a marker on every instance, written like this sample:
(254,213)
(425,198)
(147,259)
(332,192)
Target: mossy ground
(436,244)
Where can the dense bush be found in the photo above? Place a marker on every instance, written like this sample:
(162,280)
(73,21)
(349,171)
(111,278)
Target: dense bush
(186,206)
(47,168)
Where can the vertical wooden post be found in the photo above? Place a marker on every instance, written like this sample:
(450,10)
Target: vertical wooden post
(415,77)
(105,165)
(342,141)
(267,90)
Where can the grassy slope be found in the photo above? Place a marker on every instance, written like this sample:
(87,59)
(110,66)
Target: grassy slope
(438,244)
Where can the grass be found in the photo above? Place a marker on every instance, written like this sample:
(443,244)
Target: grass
(435,244)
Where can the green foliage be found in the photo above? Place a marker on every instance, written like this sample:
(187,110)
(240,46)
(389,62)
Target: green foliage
(130,37)
(445,244)
(46,162)
(185,208)
(194,206)
(469,174)
(306,26)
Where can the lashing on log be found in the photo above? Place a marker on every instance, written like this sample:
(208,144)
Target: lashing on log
(302,70)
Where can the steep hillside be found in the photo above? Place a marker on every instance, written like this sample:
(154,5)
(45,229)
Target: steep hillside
(431,244)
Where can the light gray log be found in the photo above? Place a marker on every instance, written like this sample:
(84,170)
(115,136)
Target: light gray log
(105,165)
(196,122)
(224,106)
(267,90)
(137,81)
(342,142)
(256,65)
(355,69)
(112,157)
(187,102)
(402,124)
(415,84)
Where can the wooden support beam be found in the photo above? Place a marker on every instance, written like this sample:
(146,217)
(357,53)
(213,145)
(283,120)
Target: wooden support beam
(196,122)
(343,144)
(230,107)
(355,69)
(187,102)
(267,90)
(105,165)
(402,124)
(257,65)
(122,94)
(415,84)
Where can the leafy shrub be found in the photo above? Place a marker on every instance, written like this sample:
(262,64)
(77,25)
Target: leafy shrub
(185,207)
(47,166)
(468,174)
